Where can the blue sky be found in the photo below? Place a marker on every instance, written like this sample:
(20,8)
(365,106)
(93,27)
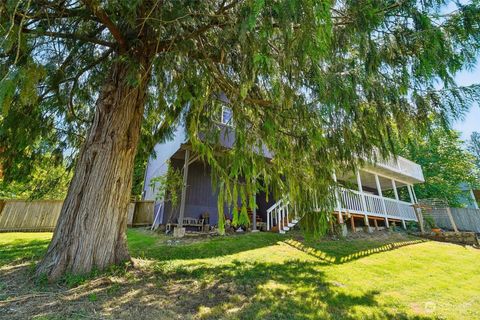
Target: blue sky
(471,121)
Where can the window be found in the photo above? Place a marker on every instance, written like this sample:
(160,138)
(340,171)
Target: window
(226,116)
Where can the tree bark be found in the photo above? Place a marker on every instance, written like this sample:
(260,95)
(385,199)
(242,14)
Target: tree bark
(91,230)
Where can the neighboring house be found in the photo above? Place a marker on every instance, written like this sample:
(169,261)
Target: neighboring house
(382,193)
(470,198)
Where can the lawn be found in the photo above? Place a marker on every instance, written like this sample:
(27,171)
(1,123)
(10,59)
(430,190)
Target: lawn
(251,276)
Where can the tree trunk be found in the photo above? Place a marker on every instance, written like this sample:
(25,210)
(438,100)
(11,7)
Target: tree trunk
(90,232)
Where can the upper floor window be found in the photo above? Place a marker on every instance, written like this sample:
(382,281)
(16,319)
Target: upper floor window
(226,116)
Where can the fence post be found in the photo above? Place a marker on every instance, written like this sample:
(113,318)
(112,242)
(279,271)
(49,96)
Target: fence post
(452,222)
(418,212)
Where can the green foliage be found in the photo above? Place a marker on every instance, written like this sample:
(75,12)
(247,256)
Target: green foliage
(412,226)
(167,187)
(446,166)
(48,180)
(317,83)
(474,147)
(429,221)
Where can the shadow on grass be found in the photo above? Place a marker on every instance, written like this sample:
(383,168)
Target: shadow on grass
(143,245)
(331,252)
(21,249)
(236,290)
(292,289)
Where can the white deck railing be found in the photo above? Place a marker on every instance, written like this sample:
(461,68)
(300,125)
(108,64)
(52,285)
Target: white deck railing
(351,201)
(401,165)
(374,205)
(282,215)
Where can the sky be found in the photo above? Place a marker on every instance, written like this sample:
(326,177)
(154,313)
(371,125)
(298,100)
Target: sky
(471,121)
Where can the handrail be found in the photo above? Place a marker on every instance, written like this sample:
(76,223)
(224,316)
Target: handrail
(398,163)
(277,214)
(352,201)
(276,204)
(375,196)
(375,205)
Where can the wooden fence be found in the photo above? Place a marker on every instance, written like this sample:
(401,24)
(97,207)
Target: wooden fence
(19,215)
(42,215)
(465,219)
(143,213)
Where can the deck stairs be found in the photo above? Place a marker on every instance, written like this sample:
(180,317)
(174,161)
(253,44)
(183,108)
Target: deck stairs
(282,217)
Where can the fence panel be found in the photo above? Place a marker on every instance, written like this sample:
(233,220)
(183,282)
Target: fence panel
(19,215)
(465,219)
(42,215)
(143,215)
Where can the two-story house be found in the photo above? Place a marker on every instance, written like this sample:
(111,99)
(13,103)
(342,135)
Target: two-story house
(377,194)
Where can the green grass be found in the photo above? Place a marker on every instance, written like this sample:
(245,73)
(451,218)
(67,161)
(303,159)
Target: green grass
(22,246)
(270,276)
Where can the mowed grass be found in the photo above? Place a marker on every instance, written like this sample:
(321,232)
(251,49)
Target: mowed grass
(21,246)
(271,276)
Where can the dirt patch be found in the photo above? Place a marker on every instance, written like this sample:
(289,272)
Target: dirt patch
(190,237)
(141,292)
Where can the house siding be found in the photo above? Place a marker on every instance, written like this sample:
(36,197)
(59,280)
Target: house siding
(202,198)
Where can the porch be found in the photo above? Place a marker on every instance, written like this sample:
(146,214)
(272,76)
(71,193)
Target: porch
(366,199)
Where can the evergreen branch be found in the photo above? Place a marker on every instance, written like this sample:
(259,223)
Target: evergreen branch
(64,13)
(72,36)
(79,74)
(105,19)
(214,22)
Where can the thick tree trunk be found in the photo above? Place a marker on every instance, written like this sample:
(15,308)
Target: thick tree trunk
(90,233)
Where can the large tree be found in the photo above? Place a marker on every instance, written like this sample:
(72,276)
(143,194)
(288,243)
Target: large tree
(319,83)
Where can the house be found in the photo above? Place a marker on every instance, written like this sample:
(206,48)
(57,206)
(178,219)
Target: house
(470,197)
(379,193)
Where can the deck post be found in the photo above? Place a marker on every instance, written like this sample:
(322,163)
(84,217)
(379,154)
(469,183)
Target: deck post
(268,220)
(413,193)
(254,210)
(395,191)
(181,230)
(394,186)
(337,198)
(380,193)
(343,229)
(364,202)
(412,199)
